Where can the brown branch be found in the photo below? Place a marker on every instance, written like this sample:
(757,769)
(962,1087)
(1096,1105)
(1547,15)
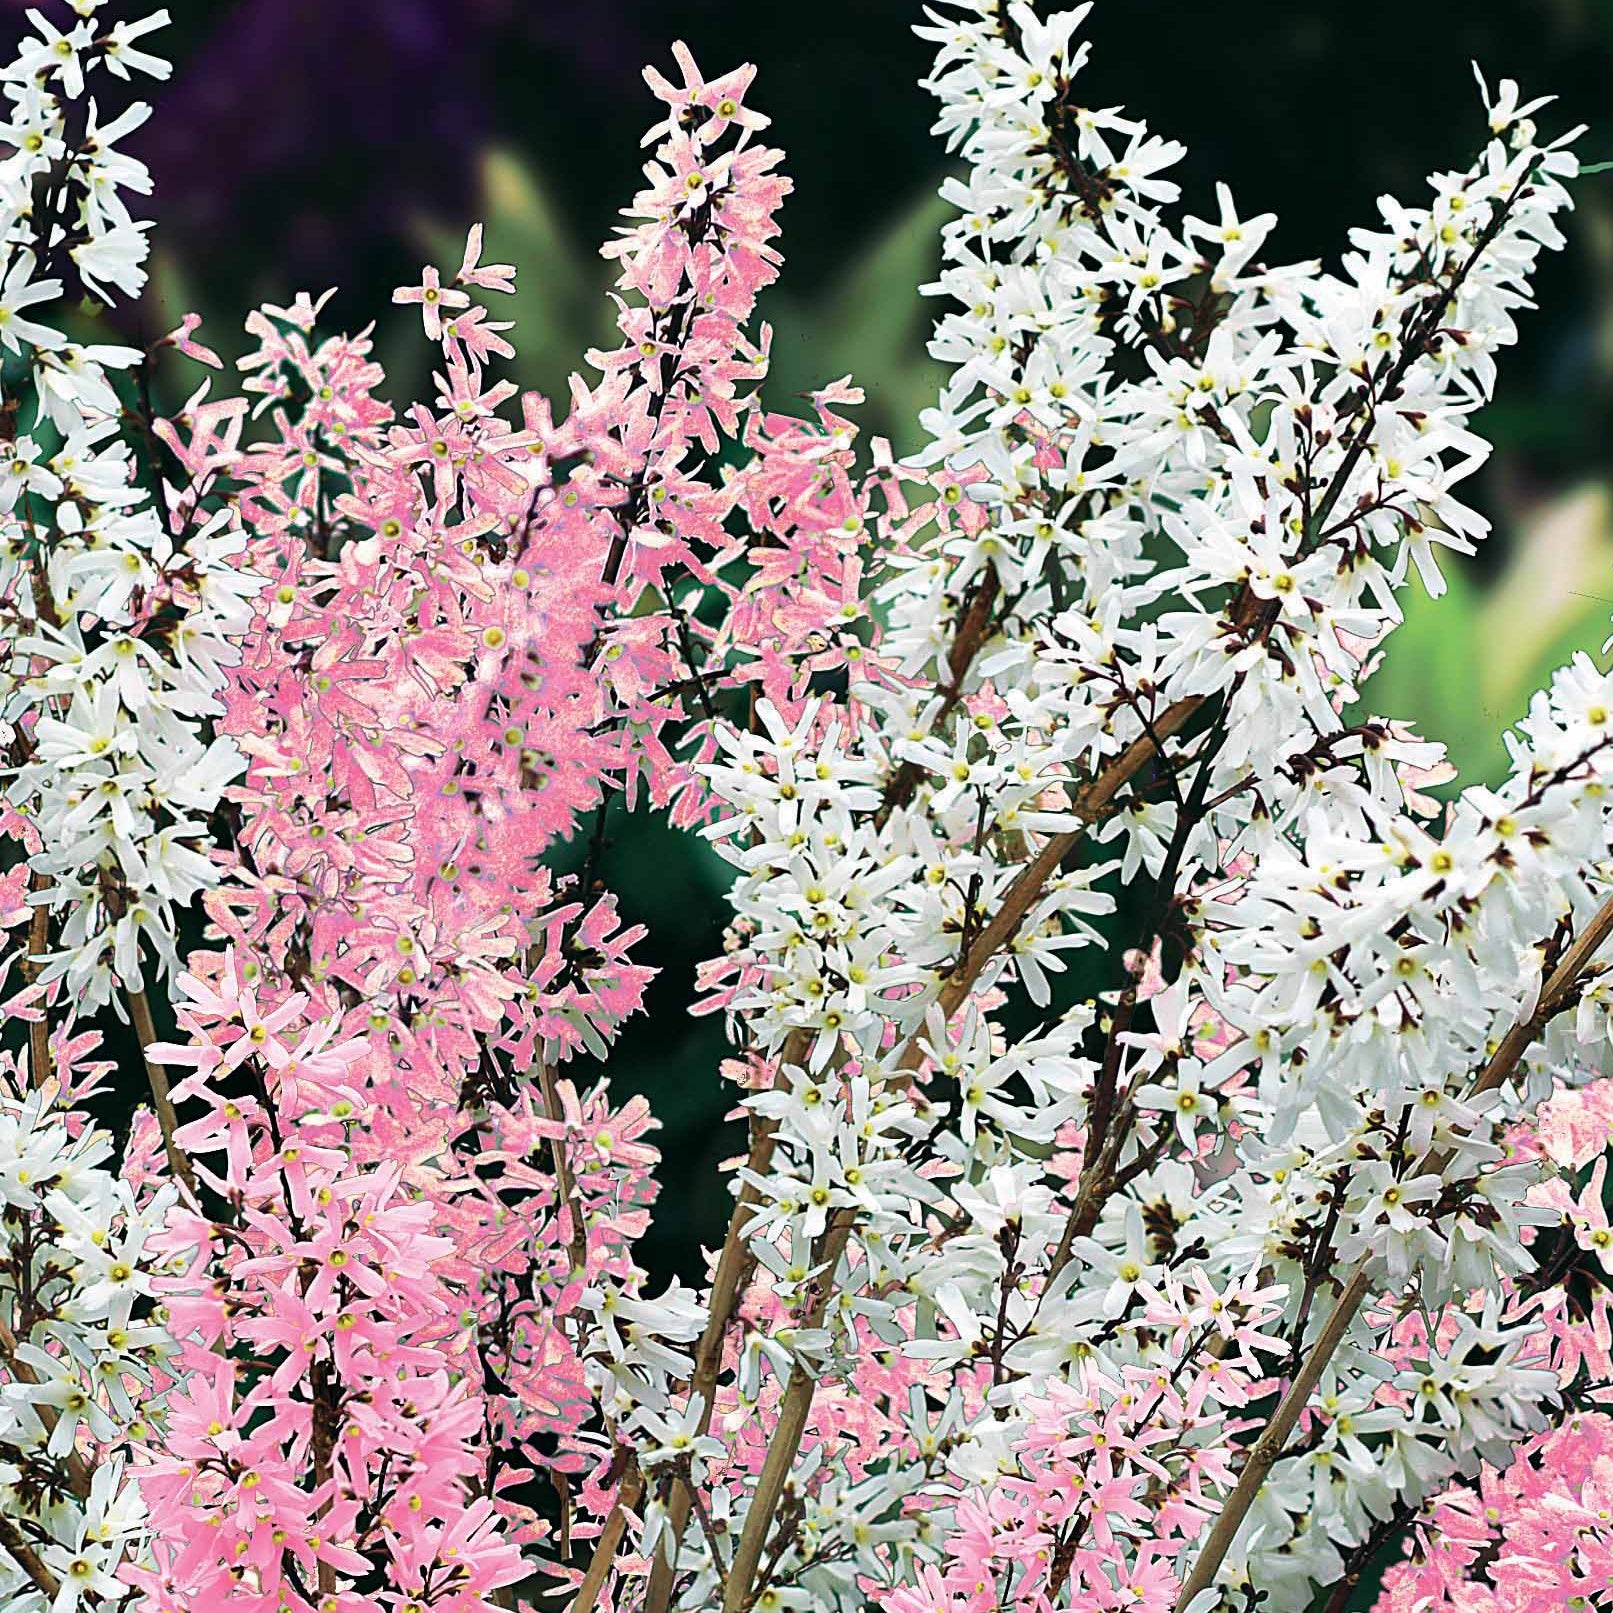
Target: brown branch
(564,1179)
(793,1410)
(610,1538)
(39,1070)
(971,633)
(1096,1183)
(162,1103)
(326,1425)
(11,1537)
(1091,804)
(78,1471)
(733,1268)
(1268,1447)
(1561,985)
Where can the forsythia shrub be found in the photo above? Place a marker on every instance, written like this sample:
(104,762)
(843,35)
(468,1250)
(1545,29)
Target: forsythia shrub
(1200,1293)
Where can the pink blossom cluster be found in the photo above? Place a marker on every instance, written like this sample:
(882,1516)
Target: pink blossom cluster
(416,1203)
(1537,1535)
(314,1436)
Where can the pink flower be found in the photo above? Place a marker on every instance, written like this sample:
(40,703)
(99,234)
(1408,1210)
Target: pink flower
(489,277)
(433,297)
(182,338)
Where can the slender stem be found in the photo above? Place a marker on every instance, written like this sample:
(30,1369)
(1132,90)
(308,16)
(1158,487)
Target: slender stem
(1109,1123)
(610,1537)
(1096,1182)
(794,1408)
(162,1103)
(1091,803)
(706,1527)
(971,632)
(1268,1447)
(39,1028)
(13,1540)
(565,1181)
(732,1266)
(1560,985)
(1416,347)
(326,1423)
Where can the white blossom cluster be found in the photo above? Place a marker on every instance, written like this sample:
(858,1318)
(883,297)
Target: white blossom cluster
(121,610)
(1380,963)
(834,895)
(77,1349)
(1193,484)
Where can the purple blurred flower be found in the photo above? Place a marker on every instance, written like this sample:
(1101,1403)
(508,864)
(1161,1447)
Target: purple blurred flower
(299,130)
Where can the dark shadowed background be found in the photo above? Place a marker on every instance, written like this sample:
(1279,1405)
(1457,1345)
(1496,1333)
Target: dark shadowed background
(308,143)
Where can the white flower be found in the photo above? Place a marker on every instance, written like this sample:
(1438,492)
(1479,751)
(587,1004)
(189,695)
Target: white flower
(1184,1099)
(114,258)
(19,290)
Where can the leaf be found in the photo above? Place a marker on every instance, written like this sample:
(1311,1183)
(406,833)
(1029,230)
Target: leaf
(1463,668)
(872,324)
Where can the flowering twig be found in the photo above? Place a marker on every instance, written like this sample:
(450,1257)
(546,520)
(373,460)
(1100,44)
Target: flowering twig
(1264,1452)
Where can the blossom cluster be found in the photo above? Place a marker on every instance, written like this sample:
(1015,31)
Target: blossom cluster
(1172,492)
(1176,1142)
(120,619)
(81,1345)
(449,654)
(312,1437)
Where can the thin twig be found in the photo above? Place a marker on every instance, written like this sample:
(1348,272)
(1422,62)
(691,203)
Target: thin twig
(733,1265)
(565,1181)
(11,1537)
(162,1103)
(1559,991)
(793,1410)
(78,1471)
(39,1069)
(610,1537)
(1091,804)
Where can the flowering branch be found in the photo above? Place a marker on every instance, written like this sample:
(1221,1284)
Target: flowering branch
(13,1541)
(1559,993)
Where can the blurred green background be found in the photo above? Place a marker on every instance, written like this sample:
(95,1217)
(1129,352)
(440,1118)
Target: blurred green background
(303,143)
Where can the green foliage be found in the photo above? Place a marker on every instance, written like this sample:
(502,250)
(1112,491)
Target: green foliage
(1462,668)
(869,324)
